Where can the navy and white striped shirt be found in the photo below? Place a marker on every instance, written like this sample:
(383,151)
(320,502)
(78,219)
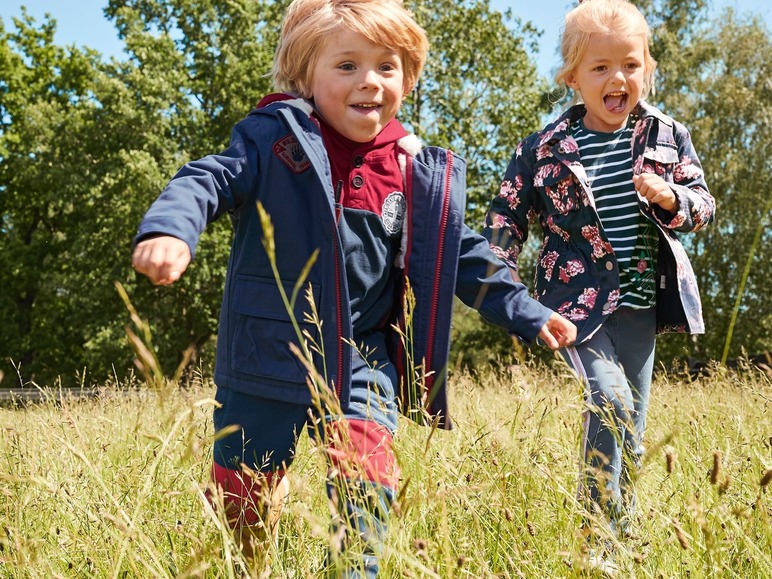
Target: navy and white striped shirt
(607,160)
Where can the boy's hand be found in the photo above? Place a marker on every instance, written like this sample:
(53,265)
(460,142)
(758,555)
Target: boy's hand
(655,190)
(162,259)
(558,332)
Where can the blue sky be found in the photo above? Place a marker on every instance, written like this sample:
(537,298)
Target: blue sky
(81,22)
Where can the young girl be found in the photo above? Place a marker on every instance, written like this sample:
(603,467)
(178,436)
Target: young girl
(340,179)
(611,181)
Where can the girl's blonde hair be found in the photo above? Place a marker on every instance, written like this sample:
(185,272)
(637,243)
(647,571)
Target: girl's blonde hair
(617,17)
(308,24)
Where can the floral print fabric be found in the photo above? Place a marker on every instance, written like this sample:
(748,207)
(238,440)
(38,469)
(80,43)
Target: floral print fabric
(577,273)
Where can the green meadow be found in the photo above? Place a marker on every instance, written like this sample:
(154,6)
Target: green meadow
(114,486)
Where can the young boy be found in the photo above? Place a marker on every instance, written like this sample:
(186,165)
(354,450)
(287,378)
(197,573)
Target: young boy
(338,175)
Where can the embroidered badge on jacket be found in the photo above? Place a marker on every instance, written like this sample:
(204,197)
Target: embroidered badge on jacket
(289,151)
(393,212)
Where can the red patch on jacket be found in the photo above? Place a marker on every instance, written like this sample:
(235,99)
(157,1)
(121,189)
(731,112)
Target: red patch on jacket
(291,154)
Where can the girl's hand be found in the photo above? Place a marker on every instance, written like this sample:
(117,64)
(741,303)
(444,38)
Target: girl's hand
(162,259)
(655,190)
(558,332)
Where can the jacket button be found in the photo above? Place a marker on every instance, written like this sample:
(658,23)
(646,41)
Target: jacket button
(357,161)
(606,307)
(609,265)
(357,182)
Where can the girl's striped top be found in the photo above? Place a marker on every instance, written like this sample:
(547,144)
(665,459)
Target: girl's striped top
(607,160)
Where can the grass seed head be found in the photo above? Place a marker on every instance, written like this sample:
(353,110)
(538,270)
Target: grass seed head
(716,470)
(420,546)
(766,478)
(724,486)
(683,540)
(670,460)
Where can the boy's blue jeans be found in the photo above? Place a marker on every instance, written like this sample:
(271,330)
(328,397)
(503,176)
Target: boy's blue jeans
(362,470)
(616,366)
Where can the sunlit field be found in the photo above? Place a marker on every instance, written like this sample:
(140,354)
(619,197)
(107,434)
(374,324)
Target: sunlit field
(114,486)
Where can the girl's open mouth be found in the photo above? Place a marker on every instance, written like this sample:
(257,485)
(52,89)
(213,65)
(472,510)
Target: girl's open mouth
(615,101)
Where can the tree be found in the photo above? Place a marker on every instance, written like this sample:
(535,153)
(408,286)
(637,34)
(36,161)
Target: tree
(715,78)
(480,92)
(86,145)
(479,95)
(44,170)
(195,68)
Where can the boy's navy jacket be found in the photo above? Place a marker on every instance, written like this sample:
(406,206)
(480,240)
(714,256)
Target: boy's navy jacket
(277,158)
(577,273)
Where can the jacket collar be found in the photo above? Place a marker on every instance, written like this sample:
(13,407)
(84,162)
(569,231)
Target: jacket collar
(559,129)
(409,143)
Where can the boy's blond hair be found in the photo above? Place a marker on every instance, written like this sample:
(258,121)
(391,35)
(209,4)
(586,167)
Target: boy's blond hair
(617,17)
(309,23)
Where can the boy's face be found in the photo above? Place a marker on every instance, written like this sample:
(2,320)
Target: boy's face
(357,86)
(610,77)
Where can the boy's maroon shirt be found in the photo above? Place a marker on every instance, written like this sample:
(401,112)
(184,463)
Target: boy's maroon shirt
(364,174)
(368,186)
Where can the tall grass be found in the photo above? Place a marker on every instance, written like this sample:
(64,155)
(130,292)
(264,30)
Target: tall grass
(114,487)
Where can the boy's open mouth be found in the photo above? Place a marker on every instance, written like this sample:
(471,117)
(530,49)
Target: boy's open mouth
(615,101)
(366,106)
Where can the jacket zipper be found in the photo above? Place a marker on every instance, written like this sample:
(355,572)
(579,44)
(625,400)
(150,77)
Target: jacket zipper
(337,256)
(435,288)
(339,305)
(338,291)
(338,190)
(401,318)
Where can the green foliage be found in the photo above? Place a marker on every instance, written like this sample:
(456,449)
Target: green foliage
(476,345)
(47,171)
(86,145)
(720,88)
(479,94)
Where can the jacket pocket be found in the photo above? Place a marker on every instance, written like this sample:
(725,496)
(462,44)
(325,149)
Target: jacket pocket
(560,271)
(263,329)
(661,160)
(562,192)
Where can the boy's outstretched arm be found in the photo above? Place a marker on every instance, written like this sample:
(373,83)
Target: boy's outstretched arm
(163,259)
(558,332)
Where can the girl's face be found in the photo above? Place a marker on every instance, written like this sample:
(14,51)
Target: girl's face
(357,86)
(610,78)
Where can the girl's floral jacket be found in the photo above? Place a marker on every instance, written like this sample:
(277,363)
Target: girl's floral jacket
(577,273)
